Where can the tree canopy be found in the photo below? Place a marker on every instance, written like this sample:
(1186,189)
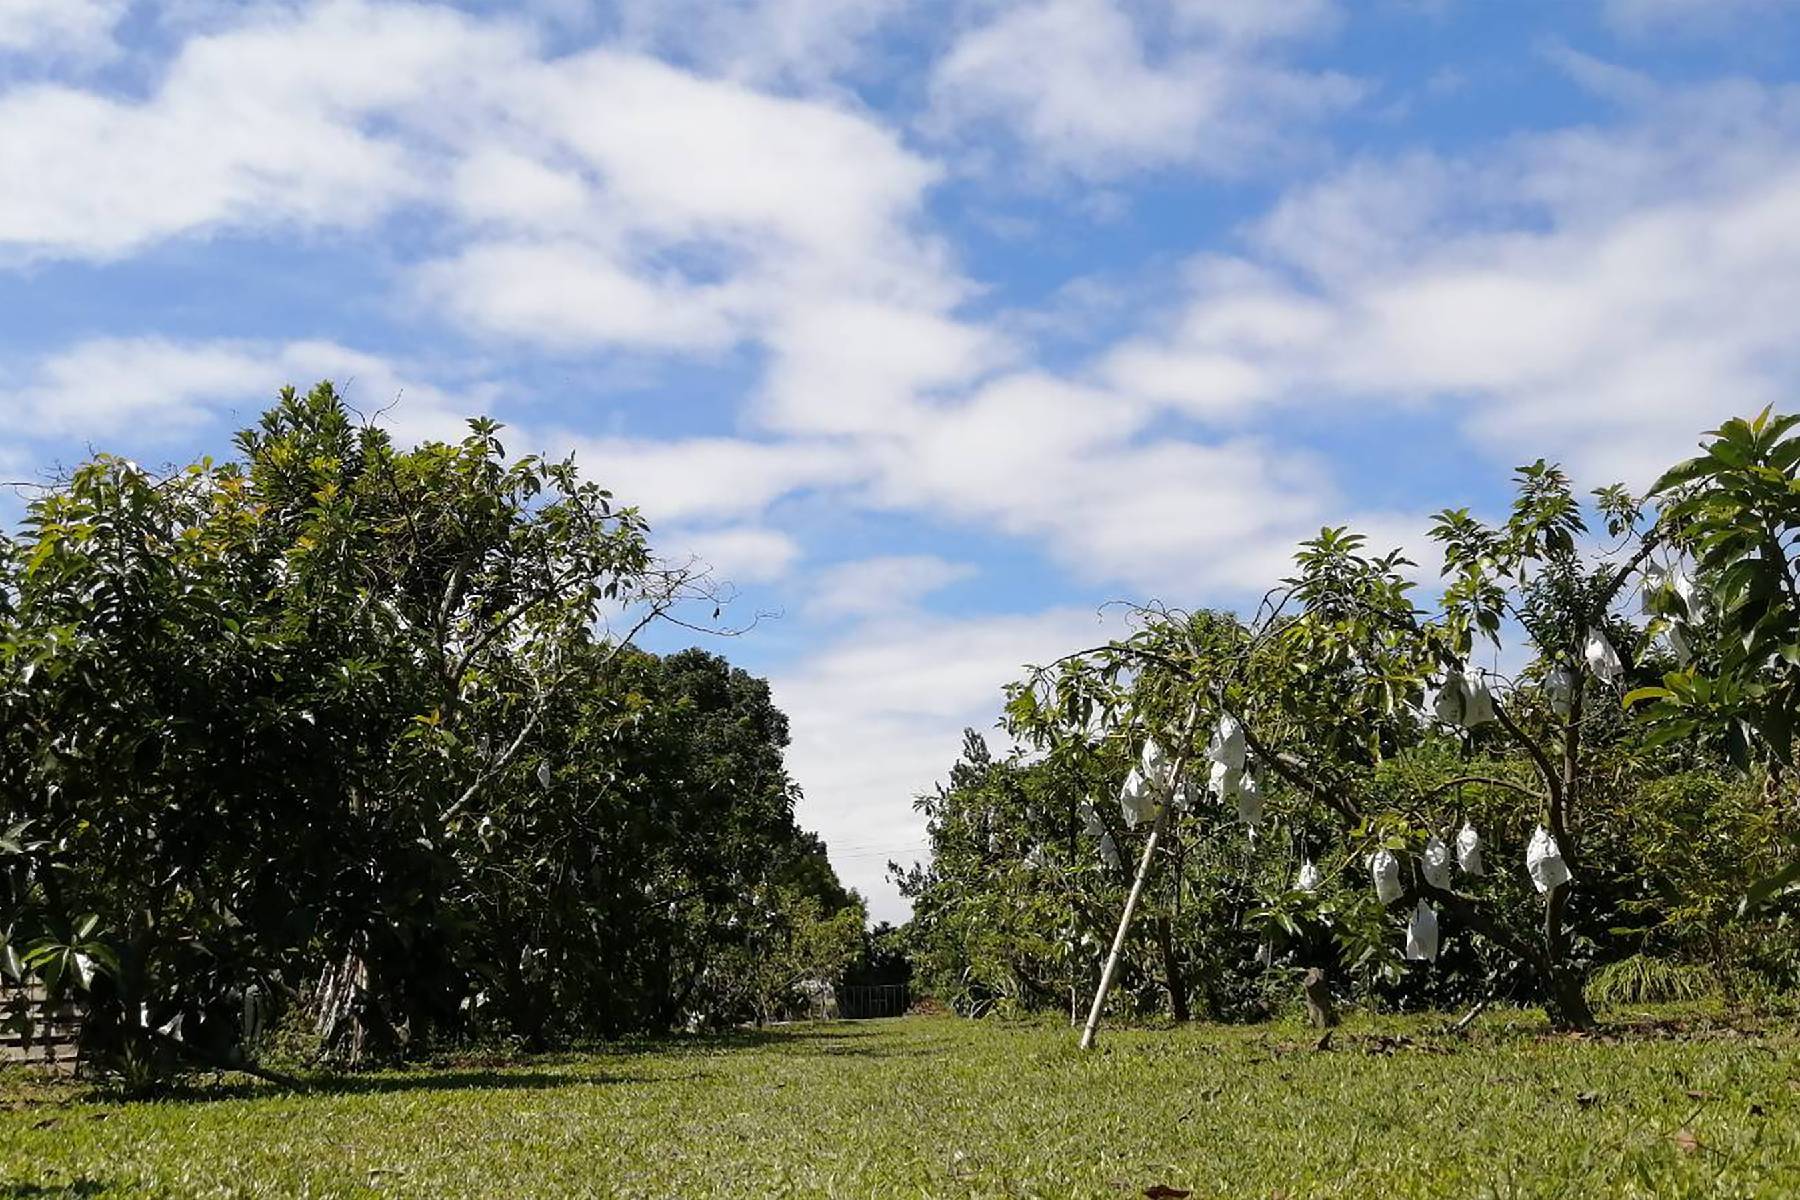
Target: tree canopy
(360,730)
(1568,756)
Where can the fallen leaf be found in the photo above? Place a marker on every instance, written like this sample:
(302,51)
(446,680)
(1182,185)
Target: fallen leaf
(1686,1141)
(1587,1099)
(1162,1191)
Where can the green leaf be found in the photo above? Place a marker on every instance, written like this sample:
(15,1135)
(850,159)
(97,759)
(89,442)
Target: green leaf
(1767,888)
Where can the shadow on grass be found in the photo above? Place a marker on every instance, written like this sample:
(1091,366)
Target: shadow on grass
(733,1039)
(80,1187)
(537,1072)
(419,1079)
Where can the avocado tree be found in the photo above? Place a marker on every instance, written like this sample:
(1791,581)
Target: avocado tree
(362,725)
(1729,603)
(1325,690)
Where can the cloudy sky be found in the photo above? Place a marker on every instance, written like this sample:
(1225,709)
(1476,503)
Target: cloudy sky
(932,324)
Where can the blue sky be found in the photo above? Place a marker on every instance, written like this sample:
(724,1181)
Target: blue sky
(930,325)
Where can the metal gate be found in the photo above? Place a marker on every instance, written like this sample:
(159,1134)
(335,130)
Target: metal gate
(860,1002)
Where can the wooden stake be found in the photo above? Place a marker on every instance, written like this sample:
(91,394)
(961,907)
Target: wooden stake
(1137,885)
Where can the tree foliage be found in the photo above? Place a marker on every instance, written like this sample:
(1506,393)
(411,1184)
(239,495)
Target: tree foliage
(1374,727)
(360,725)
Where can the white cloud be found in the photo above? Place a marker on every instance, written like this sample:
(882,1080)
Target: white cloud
(877,719)
(1645,16)
(738,554)
(1595,295)
(710,478)
(76,28)
(277,122)
(1089,87)
(155,389)
(569,294)
(601,198)
(845,366)
(762,41)
(1070,467)
(882,585)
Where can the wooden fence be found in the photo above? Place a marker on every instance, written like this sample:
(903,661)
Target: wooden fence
(37,1032)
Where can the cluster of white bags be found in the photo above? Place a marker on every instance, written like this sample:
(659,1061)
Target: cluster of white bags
(1148,786)
(1464,700)
(1434,865)
(1229,780)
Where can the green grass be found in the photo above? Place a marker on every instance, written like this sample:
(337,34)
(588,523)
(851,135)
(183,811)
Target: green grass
(940,1107)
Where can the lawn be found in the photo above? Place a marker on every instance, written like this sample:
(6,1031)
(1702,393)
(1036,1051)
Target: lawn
(939,1107)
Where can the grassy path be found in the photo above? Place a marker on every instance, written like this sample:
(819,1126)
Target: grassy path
(938,1107)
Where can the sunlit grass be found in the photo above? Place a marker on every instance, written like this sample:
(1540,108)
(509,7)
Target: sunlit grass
(940,1107)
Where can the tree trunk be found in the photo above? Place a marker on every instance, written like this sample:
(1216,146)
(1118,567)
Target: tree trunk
(1319,1008)
(1565,1002)
(1178,1001)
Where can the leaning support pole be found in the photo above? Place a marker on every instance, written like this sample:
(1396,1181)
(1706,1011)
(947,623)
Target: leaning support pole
(1118,946)
(1137,885)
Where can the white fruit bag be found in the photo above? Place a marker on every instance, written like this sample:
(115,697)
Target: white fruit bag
(1386,870)
(1138,801)
(1655,579)
(1684,592)
(1422,934)
(1452,699)
(1468,850)
(1156,766)
(1249,800)
(1308,880)
(1543,858)
(1678,643)
(1227,745)
(1478,702)
(1182,799)
(1226,781)
(1435,864)
(1109,851)
(1559,686)
(1602,659)
(1090,820)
